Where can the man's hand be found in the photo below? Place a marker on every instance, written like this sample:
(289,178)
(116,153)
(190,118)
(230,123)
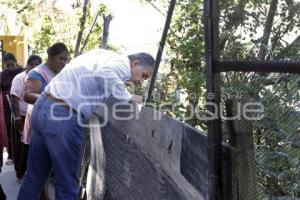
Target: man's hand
(136,99)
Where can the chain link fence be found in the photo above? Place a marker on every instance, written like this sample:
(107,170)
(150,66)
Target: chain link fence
(261,111)
(261,119)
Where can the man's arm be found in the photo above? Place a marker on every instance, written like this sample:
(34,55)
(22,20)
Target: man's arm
(111,83)
(109,79)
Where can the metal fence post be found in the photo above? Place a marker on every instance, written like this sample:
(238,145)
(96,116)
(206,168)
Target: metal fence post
(215,183)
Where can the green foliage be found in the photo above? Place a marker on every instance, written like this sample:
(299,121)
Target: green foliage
(44,22)
(277,163)
(186,58)
(96,35)
(45,37)
(242,25)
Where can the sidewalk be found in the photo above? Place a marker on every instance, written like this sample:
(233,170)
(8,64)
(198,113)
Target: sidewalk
(9,182)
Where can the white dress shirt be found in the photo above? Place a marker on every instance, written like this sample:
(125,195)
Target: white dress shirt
(88,80)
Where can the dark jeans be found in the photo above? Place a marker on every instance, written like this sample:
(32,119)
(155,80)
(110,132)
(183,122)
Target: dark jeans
(25,148)
(2,195)
(19,152)
(56,143)
(8,124)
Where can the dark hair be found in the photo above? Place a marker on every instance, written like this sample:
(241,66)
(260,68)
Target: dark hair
(56,49)
(8,57)
(34,57)
(145,59)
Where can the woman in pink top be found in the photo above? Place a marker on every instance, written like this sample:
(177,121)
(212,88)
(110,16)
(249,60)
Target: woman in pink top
(39,77)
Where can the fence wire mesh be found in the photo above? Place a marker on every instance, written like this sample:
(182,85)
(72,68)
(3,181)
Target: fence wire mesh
(264,128)
(265,123)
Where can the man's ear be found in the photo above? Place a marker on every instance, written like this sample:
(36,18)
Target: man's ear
(135,63)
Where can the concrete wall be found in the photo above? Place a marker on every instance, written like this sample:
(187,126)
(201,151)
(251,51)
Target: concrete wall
(150,158)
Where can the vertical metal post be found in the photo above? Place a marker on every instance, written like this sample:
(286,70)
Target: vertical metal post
(160,50)
(214,144)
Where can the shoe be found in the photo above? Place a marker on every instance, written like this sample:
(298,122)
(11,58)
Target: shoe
(9,162)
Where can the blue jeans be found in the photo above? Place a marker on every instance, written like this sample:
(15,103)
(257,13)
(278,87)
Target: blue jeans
(56,144)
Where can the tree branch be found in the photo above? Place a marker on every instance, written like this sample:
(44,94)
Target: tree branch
(155,7)
(267,31)
(26,6)
(82,22)
(90,31)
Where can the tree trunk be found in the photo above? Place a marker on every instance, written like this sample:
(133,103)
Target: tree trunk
(245,180)
(107,20)
(267,31)
(82,23)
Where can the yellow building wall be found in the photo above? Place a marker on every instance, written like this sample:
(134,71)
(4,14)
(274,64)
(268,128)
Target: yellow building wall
(14,45)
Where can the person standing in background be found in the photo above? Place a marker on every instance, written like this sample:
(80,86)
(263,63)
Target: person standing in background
(19,109)
(6,77)
(37,79)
